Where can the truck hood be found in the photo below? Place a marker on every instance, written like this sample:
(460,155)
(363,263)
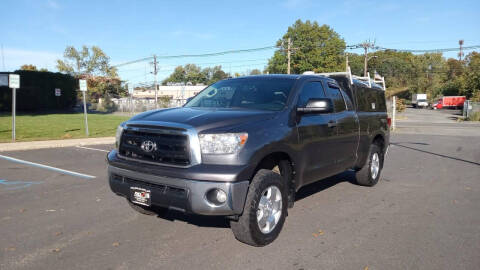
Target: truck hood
(204,118)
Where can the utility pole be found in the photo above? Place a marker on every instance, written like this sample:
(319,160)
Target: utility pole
(460,54)
(365,45)
(288,55)
(155,71)
(346,63)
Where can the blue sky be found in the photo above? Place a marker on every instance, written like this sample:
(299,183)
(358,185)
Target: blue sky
(37,32)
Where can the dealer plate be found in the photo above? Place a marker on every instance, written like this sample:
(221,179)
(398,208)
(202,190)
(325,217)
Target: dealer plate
(140,196)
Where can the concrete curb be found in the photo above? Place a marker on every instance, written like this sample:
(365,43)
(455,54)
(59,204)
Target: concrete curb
(19,146)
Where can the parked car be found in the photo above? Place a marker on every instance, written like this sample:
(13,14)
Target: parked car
(242,148)
(419,101)
(451,102)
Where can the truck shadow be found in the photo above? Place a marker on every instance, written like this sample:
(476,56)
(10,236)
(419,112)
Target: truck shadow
(436,154)
(309,190)
(197,220)
(221,222)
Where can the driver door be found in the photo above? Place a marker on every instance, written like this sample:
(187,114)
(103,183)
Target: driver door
(316,135)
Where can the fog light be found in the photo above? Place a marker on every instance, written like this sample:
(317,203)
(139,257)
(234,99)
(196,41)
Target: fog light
(221,196)
(216,197)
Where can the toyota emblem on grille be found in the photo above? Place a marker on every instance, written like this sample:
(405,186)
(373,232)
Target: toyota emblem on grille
(148,146)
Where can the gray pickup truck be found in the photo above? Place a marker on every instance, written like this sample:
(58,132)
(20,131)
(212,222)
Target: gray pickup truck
(243,147)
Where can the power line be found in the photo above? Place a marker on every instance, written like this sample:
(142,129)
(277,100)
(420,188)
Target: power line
(430,50)
(218,63)
(348,47)
(199,55)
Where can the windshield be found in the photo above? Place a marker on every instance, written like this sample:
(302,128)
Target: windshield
(250,93)
(422,100)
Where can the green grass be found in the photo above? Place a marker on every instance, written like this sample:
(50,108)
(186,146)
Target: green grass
(58,126)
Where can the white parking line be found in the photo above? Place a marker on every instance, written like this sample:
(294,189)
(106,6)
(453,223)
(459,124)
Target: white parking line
(46,167)
(95,149)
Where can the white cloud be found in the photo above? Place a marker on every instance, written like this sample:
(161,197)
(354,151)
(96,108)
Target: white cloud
(53,4)
(15,58)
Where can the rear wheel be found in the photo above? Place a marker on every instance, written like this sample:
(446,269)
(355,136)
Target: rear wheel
(264,211)
(370,173)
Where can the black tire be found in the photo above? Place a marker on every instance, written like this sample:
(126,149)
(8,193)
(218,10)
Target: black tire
(284,168)
(364,176)
(149,211)
(246,229)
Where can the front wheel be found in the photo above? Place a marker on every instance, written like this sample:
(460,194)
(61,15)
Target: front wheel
(264,212)
(370,173)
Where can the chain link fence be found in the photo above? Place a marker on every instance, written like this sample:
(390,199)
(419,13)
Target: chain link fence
(470,108)
(141,105)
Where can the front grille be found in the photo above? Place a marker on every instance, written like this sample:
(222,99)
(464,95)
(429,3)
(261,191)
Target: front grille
(160,146)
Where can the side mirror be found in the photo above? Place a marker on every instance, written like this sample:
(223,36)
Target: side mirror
(317,105)
(188,99)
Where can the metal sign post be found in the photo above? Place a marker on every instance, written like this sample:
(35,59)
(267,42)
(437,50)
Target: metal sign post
(83,88)
(394,112)
(14,83)
(130,91)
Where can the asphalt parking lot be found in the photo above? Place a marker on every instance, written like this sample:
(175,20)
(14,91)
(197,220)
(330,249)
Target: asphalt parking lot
(424,214)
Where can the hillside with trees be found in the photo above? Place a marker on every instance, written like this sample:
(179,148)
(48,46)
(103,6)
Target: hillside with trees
(319,48)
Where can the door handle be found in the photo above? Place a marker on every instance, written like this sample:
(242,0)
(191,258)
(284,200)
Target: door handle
(332,124)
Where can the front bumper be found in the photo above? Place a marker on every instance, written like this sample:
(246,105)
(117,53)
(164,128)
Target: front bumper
(180,194)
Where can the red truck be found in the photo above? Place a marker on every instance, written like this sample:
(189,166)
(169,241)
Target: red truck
(451,102)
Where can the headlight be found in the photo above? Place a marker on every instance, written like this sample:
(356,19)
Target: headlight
(118,134)
(226,143)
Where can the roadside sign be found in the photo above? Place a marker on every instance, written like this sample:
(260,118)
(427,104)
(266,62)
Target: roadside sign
(83,85)
(3,79)
(130,88)
(83,88)
(14,81)
(58,92)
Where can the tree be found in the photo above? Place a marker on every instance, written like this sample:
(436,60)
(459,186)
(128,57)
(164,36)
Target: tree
(317,48)
(91,61)
(28,67)
(93,65)
(255,72)
(472,76)
(214,74)
(191,73)
(455,68)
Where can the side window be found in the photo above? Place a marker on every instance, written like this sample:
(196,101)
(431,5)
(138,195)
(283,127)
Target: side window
(348,101)
(382,106)
(361,93)
(333,92)
(310,90)
(374,100)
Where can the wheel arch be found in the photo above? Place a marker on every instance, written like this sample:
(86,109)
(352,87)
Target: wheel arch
(379,138)
(273,159)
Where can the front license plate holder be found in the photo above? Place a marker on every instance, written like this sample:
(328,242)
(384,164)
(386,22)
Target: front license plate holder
(140,196)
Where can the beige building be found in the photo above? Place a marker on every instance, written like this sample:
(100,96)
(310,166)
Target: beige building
(176,92)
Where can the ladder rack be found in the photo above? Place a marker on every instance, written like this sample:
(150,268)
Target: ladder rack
(348,74)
